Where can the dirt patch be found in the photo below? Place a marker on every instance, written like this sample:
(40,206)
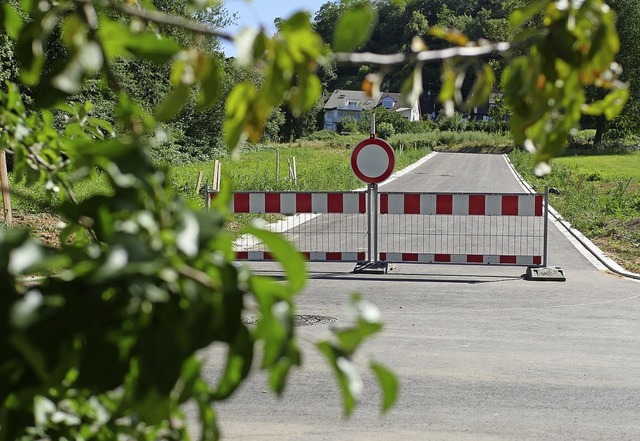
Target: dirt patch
(625,254)
(44,226)
(299,320)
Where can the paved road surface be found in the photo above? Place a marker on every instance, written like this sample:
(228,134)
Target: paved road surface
(481,354)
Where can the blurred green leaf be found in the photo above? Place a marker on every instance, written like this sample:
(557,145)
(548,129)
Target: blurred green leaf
(453,36)
(289,257)
(239,360)
(611,105)
(151,47)
(348,379)
(306,95)
(350,339)
(388,385)
(354,28)
(210,84)
(12,21)
(522,15)
(238,103)
(485,79)
(173,103)
(250,46)
(412,86)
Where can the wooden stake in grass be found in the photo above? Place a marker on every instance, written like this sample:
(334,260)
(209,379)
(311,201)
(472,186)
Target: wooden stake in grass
(216,175)
(4,182)
(293,175)
(199,182)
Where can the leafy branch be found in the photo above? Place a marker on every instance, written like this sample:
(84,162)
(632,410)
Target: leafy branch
(157,283)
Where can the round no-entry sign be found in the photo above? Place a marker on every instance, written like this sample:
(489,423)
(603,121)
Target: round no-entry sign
(373,160)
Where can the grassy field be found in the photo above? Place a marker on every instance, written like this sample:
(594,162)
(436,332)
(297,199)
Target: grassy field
(599,195)
(318,169)
(603,166)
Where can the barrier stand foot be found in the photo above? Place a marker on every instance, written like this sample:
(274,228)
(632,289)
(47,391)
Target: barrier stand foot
(379,267)
(548,274)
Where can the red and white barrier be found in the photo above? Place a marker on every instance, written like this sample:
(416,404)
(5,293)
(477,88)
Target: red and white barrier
(298,202)
(473,259)
(310,256)
(512,232)
(462,204)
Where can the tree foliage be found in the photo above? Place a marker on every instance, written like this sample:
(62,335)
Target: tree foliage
(142,279)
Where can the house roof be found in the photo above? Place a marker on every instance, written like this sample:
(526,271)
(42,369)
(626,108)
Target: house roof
(358,100)
(350,99)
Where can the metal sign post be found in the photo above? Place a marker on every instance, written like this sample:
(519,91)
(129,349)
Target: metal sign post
(372,161)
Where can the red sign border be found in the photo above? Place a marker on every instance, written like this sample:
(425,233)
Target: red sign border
(390,154)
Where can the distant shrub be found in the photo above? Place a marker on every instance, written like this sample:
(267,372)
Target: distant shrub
(453,141)
(454,123)
(400,123)
(491,126)
(581,139)
(424,126)
(323,135)
(348,124)
(385,130)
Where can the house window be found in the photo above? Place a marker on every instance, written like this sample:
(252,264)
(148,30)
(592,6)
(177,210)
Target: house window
(388,103)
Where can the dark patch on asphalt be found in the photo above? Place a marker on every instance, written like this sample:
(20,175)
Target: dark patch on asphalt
(299,320)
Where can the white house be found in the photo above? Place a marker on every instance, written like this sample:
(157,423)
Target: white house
(352,103)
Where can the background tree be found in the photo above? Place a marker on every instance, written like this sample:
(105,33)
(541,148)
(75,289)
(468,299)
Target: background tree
(104,344)
(628,24)
(142,279)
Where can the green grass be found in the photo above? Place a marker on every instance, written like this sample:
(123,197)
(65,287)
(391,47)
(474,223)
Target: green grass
(599,195)
(36,198)
(604,166)
(318,169)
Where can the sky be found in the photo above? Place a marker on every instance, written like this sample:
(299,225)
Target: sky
(259,13)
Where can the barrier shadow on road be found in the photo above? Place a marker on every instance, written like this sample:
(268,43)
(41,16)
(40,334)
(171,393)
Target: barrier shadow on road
(467,279)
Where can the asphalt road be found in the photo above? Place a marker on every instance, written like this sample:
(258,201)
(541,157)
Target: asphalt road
(481,353)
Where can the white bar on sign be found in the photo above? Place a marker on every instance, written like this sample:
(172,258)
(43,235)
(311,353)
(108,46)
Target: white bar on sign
(492,259)
(527,205)
(256,255)
(396,203)
(461,205)
(428,204)
(319,203)
(394,257)
(349,257)
(524,260)
(493,205)
(350,203)
(315,256)
(428,258)
(256,202)
(458,258)
(288,203)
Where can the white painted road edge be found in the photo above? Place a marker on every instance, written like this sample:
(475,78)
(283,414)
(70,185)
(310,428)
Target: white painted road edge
(585,246)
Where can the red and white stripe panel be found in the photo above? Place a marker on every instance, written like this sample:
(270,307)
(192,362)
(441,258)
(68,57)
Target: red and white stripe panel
(462,204)
(298,202)
(314,256)
(461,259)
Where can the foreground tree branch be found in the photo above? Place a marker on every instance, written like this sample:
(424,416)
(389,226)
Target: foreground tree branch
(424,56)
